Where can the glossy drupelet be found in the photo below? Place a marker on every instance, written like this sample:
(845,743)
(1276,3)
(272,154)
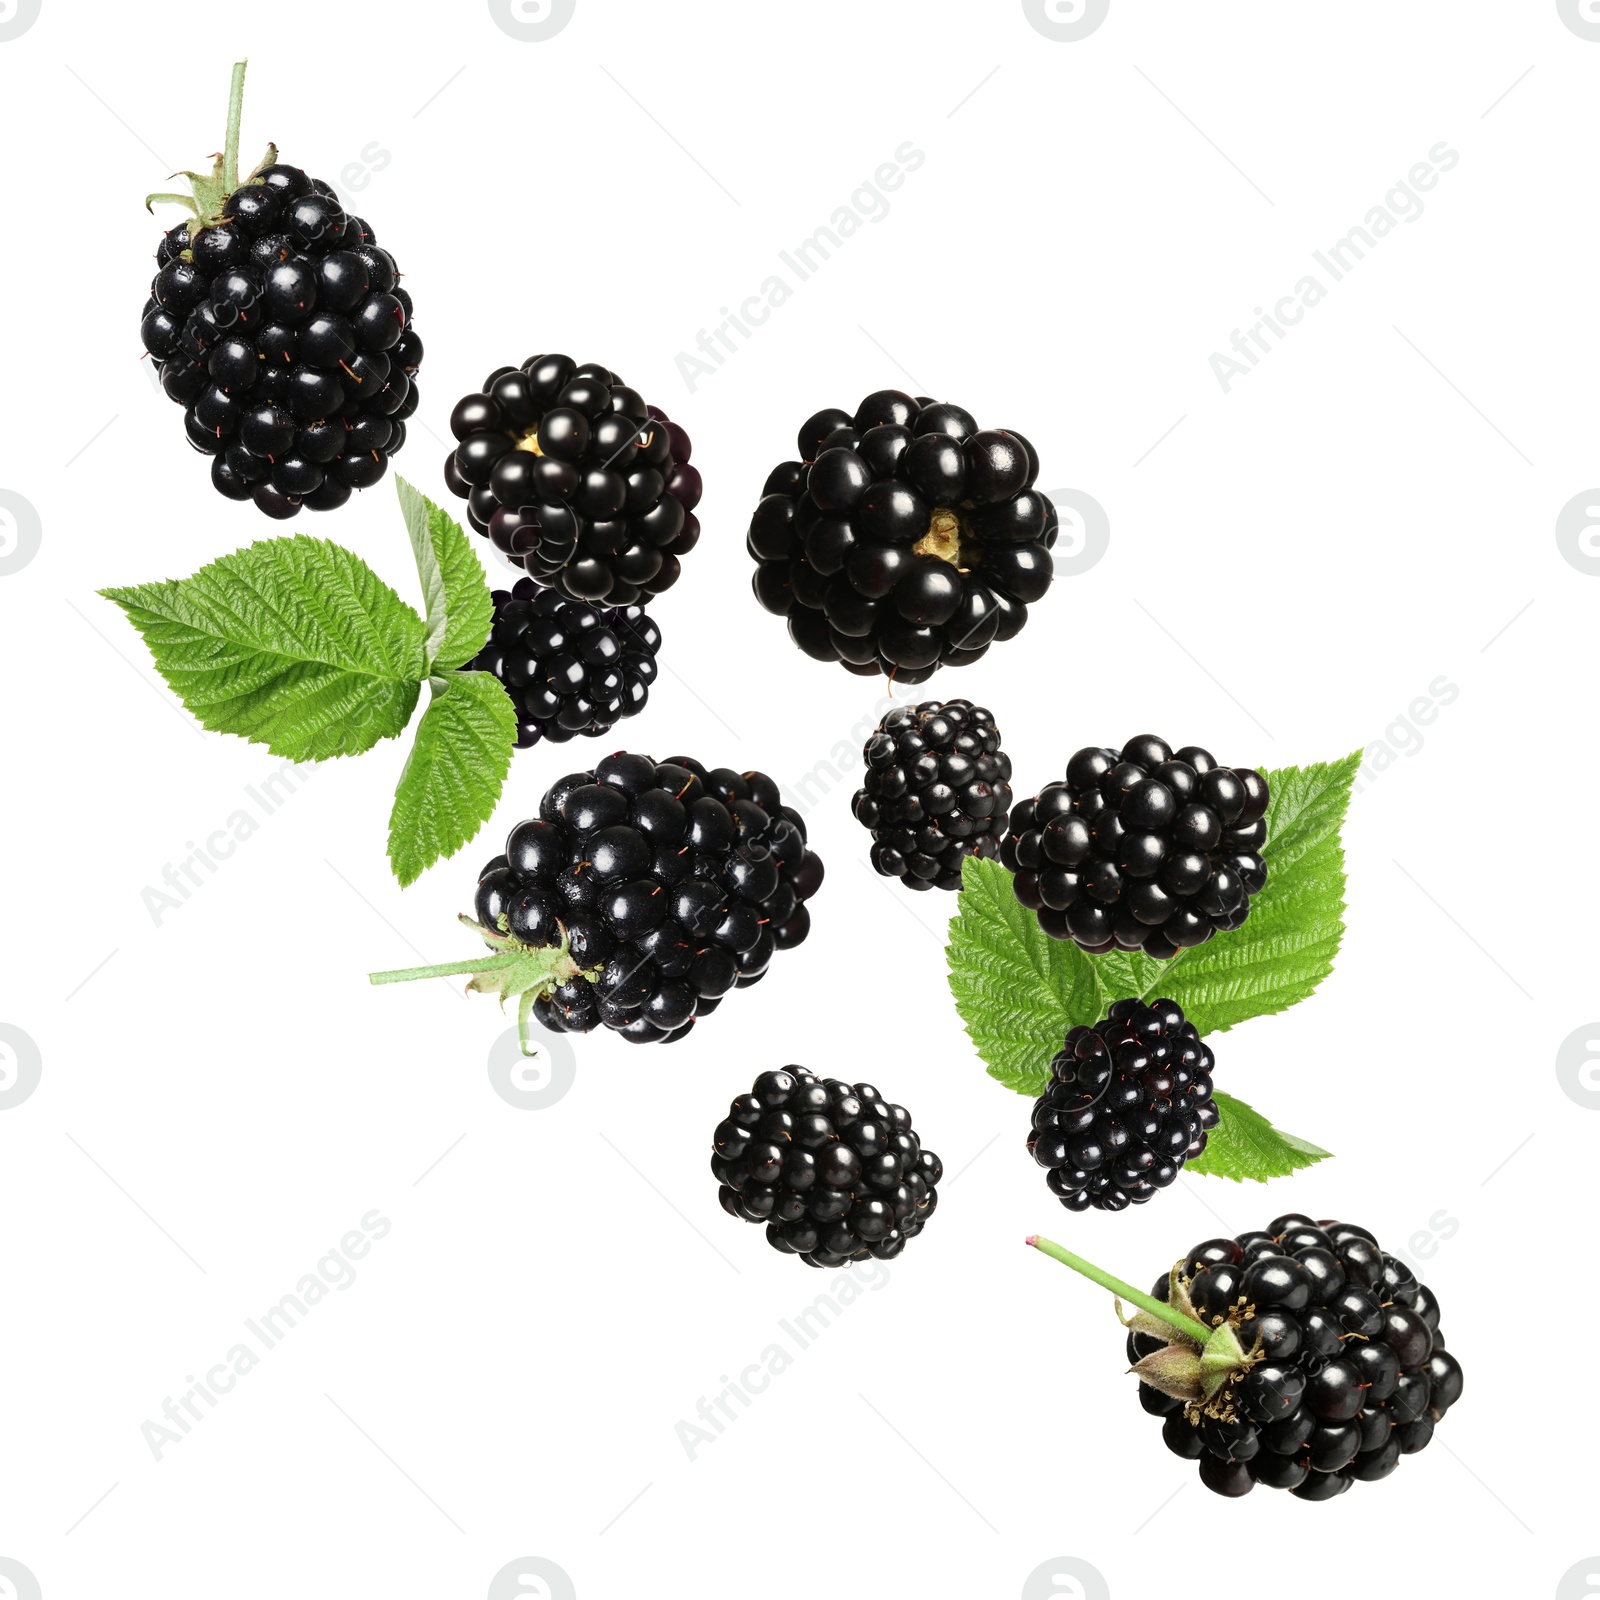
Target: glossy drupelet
(1350,1370)
(937,790)
(671,883)
(1141,849)
(284,333)
(572,477)
(570,668)
(905,537)
(835,1171)
(1129,1102)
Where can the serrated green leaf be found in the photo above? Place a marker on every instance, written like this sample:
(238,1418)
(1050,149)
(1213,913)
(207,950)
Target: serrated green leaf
(292,643)
(456,597)
(1018,990)
(1245,1145)
(455,772)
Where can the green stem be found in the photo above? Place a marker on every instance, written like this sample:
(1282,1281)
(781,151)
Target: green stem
(230,149)
(1145,1302)
(451,969)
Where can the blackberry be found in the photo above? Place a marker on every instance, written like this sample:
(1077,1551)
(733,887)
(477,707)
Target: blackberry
(572,477)
(570,668)
(1129,1102)
(905,537)
(1302,1357)
(1141,849)
(279,325)
(639,896)
(936,792)
(835,1172)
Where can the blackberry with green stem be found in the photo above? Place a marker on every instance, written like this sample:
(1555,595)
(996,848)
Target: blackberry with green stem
(280,326)
(641,895)
(904,538)
(1302,1357)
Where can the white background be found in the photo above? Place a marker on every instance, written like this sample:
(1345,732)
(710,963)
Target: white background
(1291,565)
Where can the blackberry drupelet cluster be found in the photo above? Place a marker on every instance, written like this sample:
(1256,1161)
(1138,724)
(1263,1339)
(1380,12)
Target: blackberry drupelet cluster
(905,537)
(575,479)
(670,885)
(282,330)
(570,668)
(1129,1102)
(835,1171)
(1349,1374)
(1141,849)
(937,790)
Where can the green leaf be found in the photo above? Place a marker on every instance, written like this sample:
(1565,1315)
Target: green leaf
(452,779)
(453,589)
(1245,1145)
(292,643)
(1018,991)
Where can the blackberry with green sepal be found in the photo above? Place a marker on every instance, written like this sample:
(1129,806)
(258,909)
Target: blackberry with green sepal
(937,790)
(1129,1102)
(905,537)
(1145,848)
(572,477)
(1302,1357)
(278,323)
(641,894)
(835,1172)
(569,667)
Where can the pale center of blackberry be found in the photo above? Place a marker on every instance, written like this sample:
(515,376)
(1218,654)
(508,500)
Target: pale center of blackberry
(943,538)
(529,441)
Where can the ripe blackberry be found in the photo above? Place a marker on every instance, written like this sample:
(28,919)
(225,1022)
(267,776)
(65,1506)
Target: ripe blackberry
(1129,1102)
(278,324)
(1365,1384)
(638,897)
(905,537)
(1302,1357)
(835,1172)
(1142,849)
(574,478)
(570,668)
(936,792)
